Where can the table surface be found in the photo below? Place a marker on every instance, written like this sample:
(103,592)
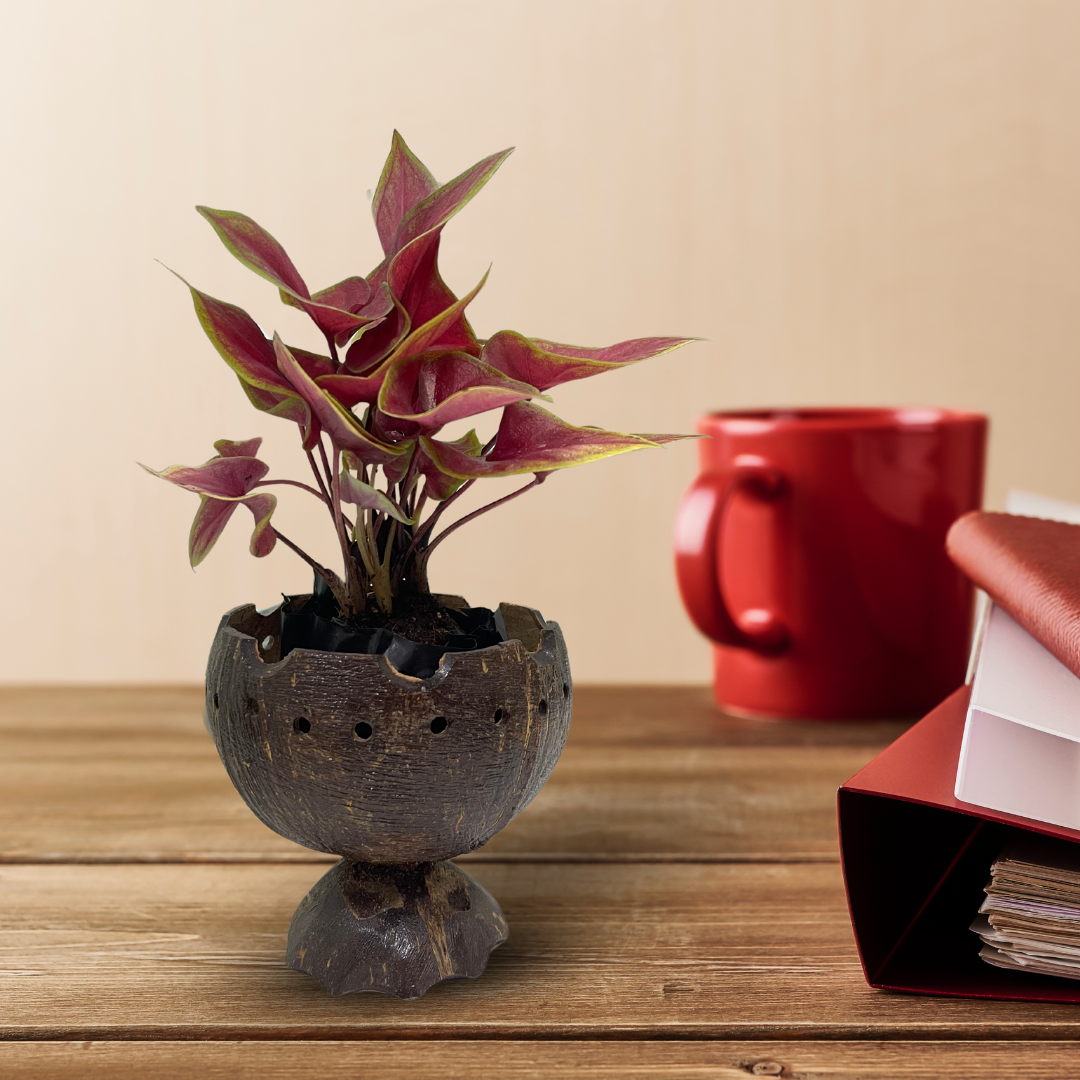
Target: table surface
(674,899)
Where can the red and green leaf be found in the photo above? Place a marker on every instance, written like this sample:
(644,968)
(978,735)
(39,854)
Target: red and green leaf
(348,295)
(229,448)
(256,249)
(330,319)
(230,477)
(213,515)
(532,440)
(244,347)
(432,390)
(397,470)
(358,493)
(546,363)
(412,277)
(263,538)
(404,182)
(333,310)
(210,520)
(376,342)
(222,483)
(436,209)
(342,426)
(239,341)
(425,295)
(439,485)
(287,406)
(352,390)
(437,331)
(410,263)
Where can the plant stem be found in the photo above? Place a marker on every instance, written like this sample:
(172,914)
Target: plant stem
(354,586)
(330,473)
(294,483)
(424,529)
(331,579)
(409,479)
(441,509)
(333,348)
(381,582)
(539,479)
(318,477)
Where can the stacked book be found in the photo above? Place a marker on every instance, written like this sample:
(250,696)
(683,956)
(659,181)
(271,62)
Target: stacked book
(1021,748)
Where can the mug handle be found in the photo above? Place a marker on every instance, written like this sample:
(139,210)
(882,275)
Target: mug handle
(698,526)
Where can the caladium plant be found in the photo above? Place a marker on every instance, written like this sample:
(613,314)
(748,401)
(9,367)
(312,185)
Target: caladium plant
(401,363)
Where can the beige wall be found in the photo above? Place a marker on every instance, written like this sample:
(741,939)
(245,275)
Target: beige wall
(853,202)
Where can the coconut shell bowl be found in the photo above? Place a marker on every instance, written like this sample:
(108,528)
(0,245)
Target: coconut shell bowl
(344,754)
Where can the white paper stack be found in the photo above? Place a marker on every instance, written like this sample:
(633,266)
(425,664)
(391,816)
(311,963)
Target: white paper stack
(1030,919)
(1021,749)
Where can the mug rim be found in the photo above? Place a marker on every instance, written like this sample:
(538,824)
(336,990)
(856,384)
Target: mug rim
(841,417)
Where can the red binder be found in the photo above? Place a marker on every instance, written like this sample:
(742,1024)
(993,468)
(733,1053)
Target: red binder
(915,862)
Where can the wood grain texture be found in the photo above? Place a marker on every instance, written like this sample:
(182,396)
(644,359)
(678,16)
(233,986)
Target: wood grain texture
(690,951)
(518,1060)
(655,774)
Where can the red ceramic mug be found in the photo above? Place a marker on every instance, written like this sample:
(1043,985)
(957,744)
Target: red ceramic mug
(811,551)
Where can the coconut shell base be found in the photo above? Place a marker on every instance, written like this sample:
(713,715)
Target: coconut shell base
(394,929)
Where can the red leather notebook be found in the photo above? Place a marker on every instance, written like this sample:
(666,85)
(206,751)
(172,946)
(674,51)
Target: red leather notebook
(1031,569)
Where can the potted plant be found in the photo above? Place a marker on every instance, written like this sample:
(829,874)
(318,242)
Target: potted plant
(372,718)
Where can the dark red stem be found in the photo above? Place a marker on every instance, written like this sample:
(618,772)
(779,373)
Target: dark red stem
(539,479)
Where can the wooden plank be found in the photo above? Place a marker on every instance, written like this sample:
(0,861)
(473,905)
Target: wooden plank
(573,1060)
(657,774)
(644,951)
(651,716)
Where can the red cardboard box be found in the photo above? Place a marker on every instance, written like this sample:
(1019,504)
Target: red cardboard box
(915,863)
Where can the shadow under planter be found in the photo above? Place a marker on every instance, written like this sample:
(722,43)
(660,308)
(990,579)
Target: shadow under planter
(342,753)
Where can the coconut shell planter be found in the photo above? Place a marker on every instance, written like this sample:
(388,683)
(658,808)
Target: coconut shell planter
(345,754)
(370,718)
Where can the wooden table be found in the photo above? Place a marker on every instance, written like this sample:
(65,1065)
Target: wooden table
(674,901)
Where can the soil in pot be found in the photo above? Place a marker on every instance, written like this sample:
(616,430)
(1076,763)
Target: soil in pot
(422,629)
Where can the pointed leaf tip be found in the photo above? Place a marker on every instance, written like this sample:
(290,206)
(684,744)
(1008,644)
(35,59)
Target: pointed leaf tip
(404,182)
(255,248)
(546,363)
(532,440)
(244,448)
(442,204)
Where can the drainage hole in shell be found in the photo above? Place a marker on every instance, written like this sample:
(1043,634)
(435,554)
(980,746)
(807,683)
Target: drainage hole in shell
(302,724)
(565,690)
(498,716)
(542,707)
(216,704)
(438,725)
(253,705)
(363,730)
